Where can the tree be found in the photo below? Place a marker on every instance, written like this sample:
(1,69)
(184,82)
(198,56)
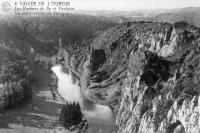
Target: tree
(180,24)
(71,115)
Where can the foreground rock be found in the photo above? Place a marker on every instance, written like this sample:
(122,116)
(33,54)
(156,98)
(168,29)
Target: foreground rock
(161,90)
(149,74)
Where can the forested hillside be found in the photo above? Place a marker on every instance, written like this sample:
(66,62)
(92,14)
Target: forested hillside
(42,33)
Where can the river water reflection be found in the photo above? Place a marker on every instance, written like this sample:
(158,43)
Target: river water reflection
(100,117)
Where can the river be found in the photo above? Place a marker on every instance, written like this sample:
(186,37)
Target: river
(100,117)
(41,113)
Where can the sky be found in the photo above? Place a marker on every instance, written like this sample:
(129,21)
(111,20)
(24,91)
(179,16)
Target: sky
(121,5)
(132,4)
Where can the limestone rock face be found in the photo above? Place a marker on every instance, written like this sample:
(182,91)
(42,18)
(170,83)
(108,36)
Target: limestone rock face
(112,54)
(148,73)
(160,93)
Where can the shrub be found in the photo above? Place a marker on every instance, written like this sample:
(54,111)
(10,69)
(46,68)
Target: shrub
(180,24)
(71,115)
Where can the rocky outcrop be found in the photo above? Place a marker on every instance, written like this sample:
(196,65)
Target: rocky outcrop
(148,73)
(161,91)
(114,48)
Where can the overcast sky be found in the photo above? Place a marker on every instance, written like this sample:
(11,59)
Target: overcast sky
(122,5)
(132,4)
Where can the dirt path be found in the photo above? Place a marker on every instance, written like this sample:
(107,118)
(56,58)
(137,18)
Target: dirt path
(41,114)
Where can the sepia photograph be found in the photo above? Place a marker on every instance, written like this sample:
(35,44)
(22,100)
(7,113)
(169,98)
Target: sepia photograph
(99,66)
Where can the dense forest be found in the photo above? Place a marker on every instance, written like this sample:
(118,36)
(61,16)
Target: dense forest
(15,81)
(42,33)
(18,35)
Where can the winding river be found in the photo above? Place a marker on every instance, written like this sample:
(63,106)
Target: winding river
(99,116)
(41,113)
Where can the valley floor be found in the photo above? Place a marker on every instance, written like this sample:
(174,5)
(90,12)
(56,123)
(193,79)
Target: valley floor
(41,114)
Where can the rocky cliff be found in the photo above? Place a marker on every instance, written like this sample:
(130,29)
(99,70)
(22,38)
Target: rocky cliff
(149,74)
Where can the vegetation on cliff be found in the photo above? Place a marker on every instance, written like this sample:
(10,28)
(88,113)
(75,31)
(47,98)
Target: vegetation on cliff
(145,71)
(42,33)
(15,80)
(71,118)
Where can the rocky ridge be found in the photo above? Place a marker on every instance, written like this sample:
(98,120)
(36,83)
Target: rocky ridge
(161,90)
(149,74)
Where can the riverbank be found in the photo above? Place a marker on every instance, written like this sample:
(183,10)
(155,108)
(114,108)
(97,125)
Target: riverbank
(15,82)
(98,116)
(41,114)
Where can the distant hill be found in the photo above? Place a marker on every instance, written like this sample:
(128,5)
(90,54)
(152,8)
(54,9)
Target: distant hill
(42,33)
(190,15)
